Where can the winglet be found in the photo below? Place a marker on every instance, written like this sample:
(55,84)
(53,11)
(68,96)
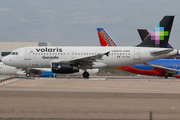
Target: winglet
(107,53)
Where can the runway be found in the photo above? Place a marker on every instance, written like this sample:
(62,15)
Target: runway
(123,98)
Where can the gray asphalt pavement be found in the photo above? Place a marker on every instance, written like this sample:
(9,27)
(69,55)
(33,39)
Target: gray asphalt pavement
(78,98)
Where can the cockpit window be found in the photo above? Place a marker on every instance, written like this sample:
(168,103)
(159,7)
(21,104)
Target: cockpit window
(14,53)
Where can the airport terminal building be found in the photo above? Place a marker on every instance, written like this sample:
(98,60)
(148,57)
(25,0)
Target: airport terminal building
(7,47)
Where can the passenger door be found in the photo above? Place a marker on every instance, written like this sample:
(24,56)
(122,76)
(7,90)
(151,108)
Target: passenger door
(27,54)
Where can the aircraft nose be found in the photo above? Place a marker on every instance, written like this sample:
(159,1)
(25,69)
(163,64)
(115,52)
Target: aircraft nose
(4,60)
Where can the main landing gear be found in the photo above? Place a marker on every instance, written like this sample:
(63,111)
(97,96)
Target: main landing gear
(86,75)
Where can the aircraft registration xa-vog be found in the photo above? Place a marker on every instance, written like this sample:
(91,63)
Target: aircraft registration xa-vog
(64,59)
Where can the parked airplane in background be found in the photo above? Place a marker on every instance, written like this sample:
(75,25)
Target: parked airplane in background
(38,72)
(65,60)
(162,67)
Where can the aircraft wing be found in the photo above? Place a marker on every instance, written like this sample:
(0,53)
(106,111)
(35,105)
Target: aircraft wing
(38,70)
(168,70)
(156,53)
(87,59)
(35,70)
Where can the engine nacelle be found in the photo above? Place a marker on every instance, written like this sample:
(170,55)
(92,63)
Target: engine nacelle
(64,68)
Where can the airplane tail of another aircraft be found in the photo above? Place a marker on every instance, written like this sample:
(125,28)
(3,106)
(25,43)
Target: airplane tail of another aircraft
(104,38)
(159,36)
(143,33)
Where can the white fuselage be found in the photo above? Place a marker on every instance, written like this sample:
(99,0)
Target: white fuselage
(43,57)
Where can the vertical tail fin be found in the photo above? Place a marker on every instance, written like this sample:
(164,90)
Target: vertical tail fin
(159,37)
(104,38)
(143,33)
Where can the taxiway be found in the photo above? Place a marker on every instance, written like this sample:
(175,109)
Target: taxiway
(124,98)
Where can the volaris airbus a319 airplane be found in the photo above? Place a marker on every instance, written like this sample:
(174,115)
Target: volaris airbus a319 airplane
(161,67)
(65,59)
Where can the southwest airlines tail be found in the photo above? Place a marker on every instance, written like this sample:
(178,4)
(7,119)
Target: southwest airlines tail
(104,38)
(159,37)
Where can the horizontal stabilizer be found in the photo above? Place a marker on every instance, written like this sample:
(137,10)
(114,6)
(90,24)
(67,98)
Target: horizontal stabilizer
(156,53)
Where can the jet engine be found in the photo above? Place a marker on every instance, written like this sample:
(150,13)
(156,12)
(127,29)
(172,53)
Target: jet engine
(64,68)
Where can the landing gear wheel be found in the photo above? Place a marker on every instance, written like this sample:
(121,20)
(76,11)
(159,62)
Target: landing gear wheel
(28,75)
(86,75)
(166,77)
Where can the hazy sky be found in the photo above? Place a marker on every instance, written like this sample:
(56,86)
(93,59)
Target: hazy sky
(74,22)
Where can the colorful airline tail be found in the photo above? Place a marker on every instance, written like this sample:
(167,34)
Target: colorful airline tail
(104,38)
(143,33)
(159,37)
